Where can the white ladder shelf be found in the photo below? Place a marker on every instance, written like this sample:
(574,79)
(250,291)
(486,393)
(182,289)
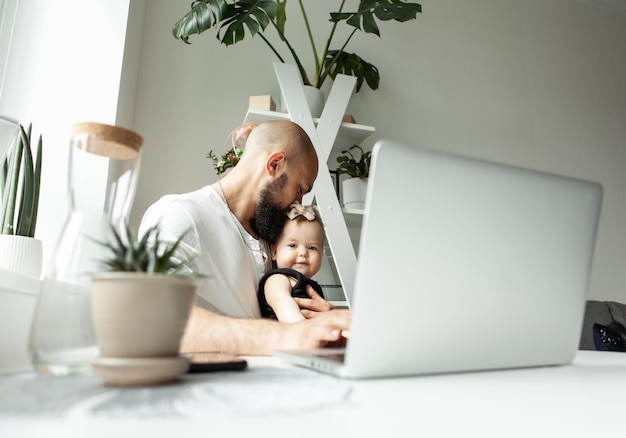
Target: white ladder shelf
(323,133)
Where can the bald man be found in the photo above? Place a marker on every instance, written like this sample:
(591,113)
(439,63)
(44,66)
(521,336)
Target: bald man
(229,223)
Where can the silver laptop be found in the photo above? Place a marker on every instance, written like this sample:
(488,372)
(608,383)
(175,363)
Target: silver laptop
(464,265)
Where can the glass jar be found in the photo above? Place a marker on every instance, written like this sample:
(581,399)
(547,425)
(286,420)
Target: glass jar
(103,171)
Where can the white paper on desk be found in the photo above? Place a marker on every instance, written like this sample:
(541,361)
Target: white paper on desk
(267,390)
(255,391)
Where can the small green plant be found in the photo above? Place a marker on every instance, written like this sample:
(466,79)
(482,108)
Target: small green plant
(235,143)
(353,167)
(147,254)
(20,179)
(231,18)
(227,160)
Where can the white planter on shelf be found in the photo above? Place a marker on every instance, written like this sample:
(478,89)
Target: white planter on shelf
(314,98)
(353,193)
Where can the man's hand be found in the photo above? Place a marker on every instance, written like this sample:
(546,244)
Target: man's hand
(314,305)
(326,330)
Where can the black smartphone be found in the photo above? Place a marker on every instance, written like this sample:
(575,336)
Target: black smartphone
(211,361)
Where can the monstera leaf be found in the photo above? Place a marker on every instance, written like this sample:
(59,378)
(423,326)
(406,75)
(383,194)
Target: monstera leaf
(231,19)
(385,10)
(352,65)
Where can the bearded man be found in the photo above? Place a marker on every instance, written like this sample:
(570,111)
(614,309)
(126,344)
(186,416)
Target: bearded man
(228,226)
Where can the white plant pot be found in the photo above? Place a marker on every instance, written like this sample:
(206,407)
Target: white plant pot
(139,320)
(22,255)
(314,98)
(18,297)
(141,315)
(353,193)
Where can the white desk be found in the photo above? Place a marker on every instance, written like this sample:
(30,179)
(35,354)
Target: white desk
(587,398)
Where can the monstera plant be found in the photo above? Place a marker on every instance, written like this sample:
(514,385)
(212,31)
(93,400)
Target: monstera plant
(232,18)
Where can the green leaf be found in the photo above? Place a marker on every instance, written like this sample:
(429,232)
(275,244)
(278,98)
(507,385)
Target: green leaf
(25,216)
(10,201)
(3,174)
(281,16)
(36,189)
(230,19)
(369,23)
(4,187)
(253,14)
(203,15)
(383,10)
(353,65)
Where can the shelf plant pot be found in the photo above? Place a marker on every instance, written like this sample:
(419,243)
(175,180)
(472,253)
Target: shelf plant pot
(353,191)
(314,99)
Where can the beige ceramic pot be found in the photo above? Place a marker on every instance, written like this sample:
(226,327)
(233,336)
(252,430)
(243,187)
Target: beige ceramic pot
(140,315)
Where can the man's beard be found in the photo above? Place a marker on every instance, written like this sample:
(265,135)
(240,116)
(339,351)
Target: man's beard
(269,218)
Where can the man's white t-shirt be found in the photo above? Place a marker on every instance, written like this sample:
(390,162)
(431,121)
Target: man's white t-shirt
(232,267)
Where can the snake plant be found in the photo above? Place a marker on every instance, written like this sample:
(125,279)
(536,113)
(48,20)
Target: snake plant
(231,18)
(20,179)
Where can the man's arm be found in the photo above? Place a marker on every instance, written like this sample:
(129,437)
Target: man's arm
(208,331)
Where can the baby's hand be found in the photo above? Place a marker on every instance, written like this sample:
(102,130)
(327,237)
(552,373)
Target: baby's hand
(311,307)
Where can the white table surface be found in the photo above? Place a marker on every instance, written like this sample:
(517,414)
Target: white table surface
(272,398)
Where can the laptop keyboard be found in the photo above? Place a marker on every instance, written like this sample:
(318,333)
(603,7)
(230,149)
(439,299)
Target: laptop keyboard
(339,357)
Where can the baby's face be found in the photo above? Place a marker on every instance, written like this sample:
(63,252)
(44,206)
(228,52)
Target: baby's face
(299,247)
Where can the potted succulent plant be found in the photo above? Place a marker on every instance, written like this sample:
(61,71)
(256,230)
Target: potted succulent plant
(231,18)
(140,309)
(357,168)
(20,178)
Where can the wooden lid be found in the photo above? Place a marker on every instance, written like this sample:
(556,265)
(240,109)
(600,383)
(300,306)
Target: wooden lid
(109,141)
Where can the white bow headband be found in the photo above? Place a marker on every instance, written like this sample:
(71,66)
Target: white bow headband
(296,210)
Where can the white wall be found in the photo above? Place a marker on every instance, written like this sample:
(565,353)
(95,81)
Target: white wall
(537,83)
(64,66)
